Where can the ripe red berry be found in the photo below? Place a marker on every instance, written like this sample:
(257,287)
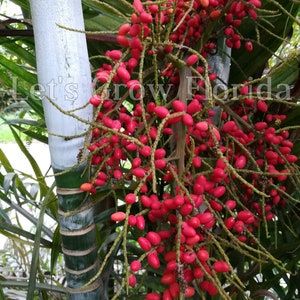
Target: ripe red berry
(118,216)
(192,59)
(124,29)
(130,198)
(262,106)
(144,243)
(161,111)
(249,46)
(132,280)
(140,222)
(135,266)
(154,238)
(240,162)
(86,187)
(153,260)
(221,266)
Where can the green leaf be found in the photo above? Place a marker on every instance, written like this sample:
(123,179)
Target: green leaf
(4,217)
(36,248)
(23,54)
(56,249)
(8,178)
(18,71)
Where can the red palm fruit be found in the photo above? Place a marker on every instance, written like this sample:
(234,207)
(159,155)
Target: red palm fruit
(229,223)
(161,111)
(178,200)
(256,3)
(170,255)
(132,280)
(262,106)
(215,14)
(187,230)
(285,150)
(194,222)
(229,126)
(144,244)
(135,44)
(204,3)
(135,30)
(167,295)
(221,266)
(186,209)
(99,182)
(239,226)
(291,158)
(168,278)
(160,163)
(209,287)
(136,162)
(131,220)
(202,126)
(139,172)
(192,59)
(153,260)
(198,273)
(118,216)
(154,238)
(153,296)
(138,5)
(123,74)
(124,29)
(133,85)
(130,198)
(145,17)
(171,266)
(192,240)
(117,174)
(140,222)
(215,205)
(178,106)
(146,201)
(203,255)
(86,187)
(189,292)
(188,257)
(205,217)
(249,46)
(219,191)
(187,120)
(260,126)
(174,290)
(135,266)
(159,153)
(95,100)
(240,162)
(193,107)
(231,204)
(114,54)
(246,216)
(145,151)
(197,161)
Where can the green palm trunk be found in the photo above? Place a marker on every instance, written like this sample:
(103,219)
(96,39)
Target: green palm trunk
(65,82)
(77,229)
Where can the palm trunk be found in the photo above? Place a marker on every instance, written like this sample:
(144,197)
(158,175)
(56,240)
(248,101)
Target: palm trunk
(64,77)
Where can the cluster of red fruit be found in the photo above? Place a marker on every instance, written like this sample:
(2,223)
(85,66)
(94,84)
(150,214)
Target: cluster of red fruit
(193,178)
